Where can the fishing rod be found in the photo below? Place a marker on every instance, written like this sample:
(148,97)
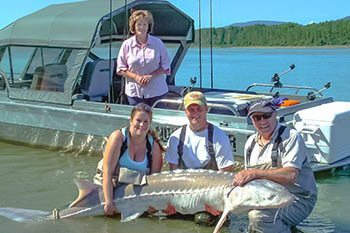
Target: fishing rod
(111,93)
(276,83)
(312,95)
(126,19)
(211,46)
(276,77)
(200,43)
(120,98)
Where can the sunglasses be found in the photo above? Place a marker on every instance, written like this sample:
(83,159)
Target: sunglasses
(266,116)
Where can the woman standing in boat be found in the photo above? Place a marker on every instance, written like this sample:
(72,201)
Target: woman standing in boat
(144,61)
(134,148)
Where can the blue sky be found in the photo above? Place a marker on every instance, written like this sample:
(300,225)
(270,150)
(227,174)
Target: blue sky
(225,12)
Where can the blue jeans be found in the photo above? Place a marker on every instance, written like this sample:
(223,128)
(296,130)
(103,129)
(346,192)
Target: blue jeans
(149,101)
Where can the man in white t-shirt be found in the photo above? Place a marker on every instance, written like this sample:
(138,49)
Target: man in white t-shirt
(199,145)
(202,145)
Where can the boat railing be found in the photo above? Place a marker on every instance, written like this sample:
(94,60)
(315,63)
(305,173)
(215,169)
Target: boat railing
(179,105)
(272,86)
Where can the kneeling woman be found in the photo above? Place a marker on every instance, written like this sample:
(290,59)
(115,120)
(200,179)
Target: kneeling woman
(135,147)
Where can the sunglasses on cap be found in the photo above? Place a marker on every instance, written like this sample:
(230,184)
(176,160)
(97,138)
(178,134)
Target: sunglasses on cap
(266,116)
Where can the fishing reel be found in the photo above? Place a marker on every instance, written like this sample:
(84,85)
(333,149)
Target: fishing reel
(312,95)
(276,77)
(187,89)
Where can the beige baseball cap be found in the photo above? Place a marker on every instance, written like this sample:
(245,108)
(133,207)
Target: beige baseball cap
(195,97)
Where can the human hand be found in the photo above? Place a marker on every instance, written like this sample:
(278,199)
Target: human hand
(143,80)
(110,209)
(243,177)
(138,79)
(147,77)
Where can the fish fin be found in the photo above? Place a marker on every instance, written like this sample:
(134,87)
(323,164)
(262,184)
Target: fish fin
(211,210)
(24,215)
(85,188)
(221,221)
(170,209)
(128,216)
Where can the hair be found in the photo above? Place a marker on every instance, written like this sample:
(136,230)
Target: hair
(137,15)
(142,107)
(156,139)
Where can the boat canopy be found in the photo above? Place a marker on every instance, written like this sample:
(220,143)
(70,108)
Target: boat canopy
(79,24)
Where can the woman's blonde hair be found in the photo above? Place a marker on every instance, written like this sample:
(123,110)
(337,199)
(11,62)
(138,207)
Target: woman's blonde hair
(140,14)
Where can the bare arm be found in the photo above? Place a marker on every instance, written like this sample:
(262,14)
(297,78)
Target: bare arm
(157,72)
(285,175)
(110,160)
(129,74)
(141,79)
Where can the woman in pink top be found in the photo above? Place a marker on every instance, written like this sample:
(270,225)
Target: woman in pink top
(144,61)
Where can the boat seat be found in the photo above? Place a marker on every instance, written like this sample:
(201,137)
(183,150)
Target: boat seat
(95,83)
(37,78)
(54,77)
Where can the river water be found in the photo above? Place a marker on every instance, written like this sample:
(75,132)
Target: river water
(37,178)
(40,179)
(237,68)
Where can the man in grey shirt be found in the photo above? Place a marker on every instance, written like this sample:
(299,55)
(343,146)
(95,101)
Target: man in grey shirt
(277,153)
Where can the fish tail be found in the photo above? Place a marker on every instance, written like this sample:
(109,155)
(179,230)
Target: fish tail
(24,215)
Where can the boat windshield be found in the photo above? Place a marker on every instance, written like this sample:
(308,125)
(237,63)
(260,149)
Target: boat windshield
(37,68)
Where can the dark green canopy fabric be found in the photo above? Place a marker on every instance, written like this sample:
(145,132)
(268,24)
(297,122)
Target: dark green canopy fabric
(61,25)
(73,25)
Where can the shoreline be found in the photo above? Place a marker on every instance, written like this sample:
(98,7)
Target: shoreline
(277,47)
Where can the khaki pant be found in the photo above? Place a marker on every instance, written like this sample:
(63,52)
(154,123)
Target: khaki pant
(281,220)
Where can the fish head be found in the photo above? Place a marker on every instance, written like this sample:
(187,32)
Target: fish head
(258,194)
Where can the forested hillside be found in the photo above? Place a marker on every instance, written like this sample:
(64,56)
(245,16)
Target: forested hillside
(330,33)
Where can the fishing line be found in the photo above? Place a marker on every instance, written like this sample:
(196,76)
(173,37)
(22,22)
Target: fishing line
(200,42)
(110,93)
(211,45)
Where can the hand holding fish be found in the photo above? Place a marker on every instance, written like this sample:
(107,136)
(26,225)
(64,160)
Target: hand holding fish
(244,177)
(110,209)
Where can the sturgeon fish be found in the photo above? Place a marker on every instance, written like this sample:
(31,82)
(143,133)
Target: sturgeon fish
(188,191)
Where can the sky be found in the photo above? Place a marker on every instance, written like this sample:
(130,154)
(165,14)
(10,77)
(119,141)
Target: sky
(225,12)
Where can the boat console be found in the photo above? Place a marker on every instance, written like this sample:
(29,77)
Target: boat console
(219,102)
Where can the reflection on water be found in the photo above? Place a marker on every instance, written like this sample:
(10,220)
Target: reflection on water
(41,179)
